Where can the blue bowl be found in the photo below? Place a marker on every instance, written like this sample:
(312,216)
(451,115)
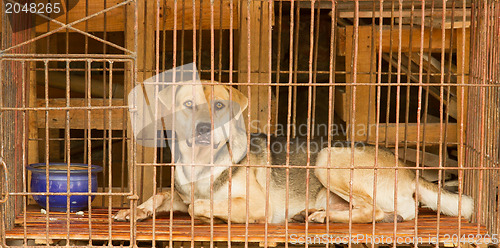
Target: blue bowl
(79,182)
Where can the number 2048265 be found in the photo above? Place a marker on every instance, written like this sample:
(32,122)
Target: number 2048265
(33,8)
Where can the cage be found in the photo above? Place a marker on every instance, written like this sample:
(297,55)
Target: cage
(419,80)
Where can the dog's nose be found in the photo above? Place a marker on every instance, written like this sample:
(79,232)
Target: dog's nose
(203,128)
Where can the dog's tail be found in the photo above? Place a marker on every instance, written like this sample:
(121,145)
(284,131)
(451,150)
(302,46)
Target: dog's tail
(428,195)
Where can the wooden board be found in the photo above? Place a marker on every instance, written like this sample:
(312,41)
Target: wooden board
(432,132)
(364,96)
(35,223)
(257,13)
(78,117)
(115,18)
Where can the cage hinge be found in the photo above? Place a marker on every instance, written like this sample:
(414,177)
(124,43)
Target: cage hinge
(4,196)
(133,197)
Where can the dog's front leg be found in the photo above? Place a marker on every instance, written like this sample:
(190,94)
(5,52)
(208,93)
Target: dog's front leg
(158,203)
(201,209)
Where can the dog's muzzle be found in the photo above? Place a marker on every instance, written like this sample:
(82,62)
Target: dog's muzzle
(202,136)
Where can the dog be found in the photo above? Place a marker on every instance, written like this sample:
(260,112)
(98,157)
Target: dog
(211,130)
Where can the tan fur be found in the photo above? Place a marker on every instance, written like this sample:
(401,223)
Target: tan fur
(333,185)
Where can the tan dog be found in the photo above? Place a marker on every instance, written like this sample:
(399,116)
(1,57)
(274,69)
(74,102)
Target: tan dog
(210,130)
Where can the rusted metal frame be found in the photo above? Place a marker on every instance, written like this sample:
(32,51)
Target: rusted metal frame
(172,148)
(269,109)
(74,69)
(220,41)
(295,68)
(200,36)
(327,72)
(428,80)
(289,119)
(496,80)
(88,130)
(419,116)
(104,115)
(472,103)
(483,78)
(132,165)
(441,116)
(70,26)
(408,80)
(62,108)
(67,142)
(490,160)
(68,57)
(315,71)
(155,97)
(448,89)
(230,169)
(354,70)
(164,68)
(309,112)
(278,61)
(193,127)
(46,98)
(24,150)
(212,98)
(389,79)
(249,117)
(4,196)
(398,98)
(490,112)
(110,154)
(331,107)
(377,111)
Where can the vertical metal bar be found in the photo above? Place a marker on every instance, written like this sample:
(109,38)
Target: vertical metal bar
(398,103)
(377,122)
(88,98)
(172,148)
(419,116)
(212,98)
(389,79)
(110,154)
(24,143)
(269,109)
(47,137)
(231,62)
(192,122)
(354,81)
(67,141)
(278,61)
(295,68)
(249,118)
(331,107)
(408,79)
(289,120)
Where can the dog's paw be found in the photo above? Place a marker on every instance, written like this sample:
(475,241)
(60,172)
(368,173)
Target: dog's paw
(318,216)
(301,217)
(124,215)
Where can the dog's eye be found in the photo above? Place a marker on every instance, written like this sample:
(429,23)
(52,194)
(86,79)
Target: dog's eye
(219,105)
(188,104)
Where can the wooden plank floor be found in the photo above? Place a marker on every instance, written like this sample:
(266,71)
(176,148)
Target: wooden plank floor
(36,228)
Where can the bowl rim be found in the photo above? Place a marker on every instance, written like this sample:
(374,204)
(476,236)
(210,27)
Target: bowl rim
(34,168)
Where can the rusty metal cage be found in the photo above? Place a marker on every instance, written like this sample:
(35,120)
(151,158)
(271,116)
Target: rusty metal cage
(418,78)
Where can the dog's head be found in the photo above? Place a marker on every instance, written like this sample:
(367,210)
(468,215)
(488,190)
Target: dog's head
(207,118)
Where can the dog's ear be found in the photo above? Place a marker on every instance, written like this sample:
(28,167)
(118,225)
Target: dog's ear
(166,104)
(238,141)
(239,98)
(165,96)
